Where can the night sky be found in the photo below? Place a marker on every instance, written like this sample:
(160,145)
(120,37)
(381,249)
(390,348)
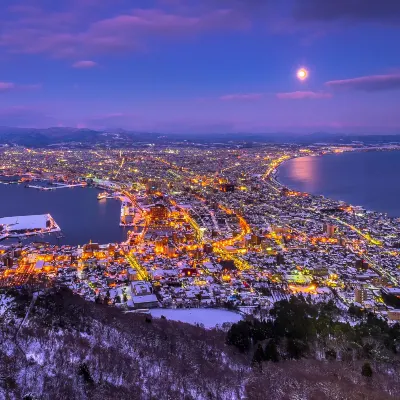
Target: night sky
(206,66)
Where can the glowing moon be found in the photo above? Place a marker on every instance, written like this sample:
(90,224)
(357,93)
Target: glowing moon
(302,74)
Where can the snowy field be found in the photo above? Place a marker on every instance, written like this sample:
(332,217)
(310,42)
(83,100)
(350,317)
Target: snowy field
(209,317)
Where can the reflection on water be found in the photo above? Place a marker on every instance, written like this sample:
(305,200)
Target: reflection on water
(304,170)
(369,179)
(102,206)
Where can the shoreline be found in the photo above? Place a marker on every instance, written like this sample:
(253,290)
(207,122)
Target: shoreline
(51,236)
(280,184)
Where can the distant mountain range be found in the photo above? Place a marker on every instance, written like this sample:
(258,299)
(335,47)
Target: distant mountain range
(33,137)
(74,137)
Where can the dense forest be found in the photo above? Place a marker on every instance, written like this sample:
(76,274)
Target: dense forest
(59,346)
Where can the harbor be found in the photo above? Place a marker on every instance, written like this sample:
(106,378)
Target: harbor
(79,214)
(28,225)
(56,186)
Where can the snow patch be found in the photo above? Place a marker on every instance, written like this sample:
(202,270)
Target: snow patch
(208,317)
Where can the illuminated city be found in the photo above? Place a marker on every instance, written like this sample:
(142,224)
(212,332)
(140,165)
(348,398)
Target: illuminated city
(206,227)
(199,200)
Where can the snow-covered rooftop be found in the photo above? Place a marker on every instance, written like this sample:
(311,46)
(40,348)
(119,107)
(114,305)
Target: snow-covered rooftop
(27,222)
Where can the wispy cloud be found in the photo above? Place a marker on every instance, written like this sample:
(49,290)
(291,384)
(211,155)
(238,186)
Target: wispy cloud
(9,86)
(6,86)
(84,64)
(69,34)
(372,83)
(303,95)
(241,96)
(83,28)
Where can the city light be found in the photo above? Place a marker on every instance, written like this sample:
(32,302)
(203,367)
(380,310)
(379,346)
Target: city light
(198,231)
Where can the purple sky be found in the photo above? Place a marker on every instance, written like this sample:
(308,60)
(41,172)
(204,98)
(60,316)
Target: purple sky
(201,65)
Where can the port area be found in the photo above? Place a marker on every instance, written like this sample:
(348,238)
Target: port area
(56,185)
(27,225)
(104,195)
(130,215)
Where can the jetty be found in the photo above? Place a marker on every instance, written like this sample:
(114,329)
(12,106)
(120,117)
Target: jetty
(57,186)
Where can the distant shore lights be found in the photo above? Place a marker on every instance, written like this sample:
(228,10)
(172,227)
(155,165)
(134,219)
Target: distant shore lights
(302,74)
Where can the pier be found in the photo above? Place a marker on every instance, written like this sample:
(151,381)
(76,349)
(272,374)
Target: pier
(58,186)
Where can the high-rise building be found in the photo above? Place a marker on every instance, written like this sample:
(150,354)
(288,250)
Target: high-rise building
(159,212)
(361,295)
(361,264)
(256,240)
(280,259)
(329,229)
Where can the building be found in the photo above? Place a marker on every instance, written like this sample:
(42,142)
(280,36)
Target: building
(329,229)
(228,265)
(104,184)
(361,264)
(153,187)
(256,240)
(27,225)
(127,219)
(279,230)
(361,295)
(394,315)
(132,274)
(142,295)
(391,291)
(159,212)
(280,259)
(227,187)
(207,248)
(320,271)
(91,247)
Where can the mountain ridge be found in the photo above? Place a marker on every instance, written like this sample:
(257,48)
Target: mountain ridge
(43,137)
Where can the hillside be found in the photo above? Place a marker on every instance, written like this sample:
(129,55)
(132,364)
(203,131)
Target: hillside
(71,349)
(33,137)
(117,138)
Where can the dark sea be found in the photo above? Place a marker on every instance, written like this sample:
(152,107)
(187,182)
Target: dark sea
(368,179)
(77,211)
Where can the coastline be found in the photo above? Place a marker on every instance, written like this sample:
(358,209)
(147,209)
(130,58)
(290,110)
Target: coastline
(65,230)
(278,182)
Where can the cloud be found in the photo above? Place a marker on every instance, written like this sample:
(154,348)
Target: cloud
(303,95)
(71,34)
(244,96)
(84,64)
(9,86)
(6,86)
(156,20)
(363,10)
(373,83)
(78,29)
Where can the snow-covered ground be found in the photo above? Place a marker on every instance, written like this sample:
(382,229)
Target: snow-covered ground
(25,222)
(5,303)
(209,317)
(28,225)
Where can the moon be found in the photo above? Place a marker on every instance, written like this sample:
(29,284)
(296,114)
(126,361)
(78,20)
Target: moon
(302,74)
